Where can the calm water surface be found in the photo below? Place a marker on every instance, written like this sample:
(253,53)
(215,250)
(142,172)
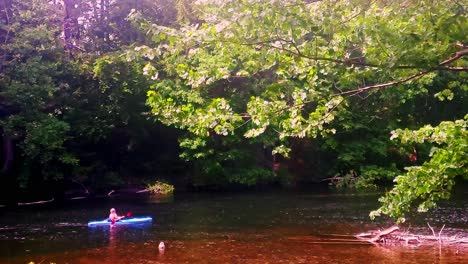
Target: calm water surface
(271,227)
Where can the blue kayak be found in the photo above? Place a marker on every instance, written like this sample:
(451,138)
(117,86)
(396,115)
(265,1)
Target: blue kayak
(123,221)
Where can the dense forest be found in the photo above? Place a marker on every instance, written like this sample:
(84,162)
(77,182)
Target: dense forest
(98,95)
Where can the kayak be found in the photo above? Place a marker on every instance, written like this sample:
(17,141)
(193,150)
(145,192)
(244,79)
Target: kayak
(124,221)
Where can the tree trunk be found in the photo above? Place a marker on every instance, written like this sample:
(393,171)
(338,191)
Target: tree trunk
(5,34)
(70,24)
(7,153)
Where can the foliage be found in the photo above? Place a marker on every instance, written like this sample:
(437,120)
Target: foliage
(369,178)
(238,84)
(160,188)
(29,84)
(305,71)
(101,26)
(435,178)
(70,115)
(224,162)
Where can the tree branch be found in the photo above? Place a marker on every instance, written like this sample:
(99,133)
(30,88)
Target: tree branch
(457,56)
(338,61)
(350,61)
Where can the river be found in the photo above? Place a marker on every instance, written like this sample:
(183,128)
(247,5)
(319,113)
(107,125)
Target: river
(260,227)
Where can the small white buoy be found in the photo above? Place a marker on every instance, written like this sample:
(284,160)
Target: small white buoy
(161,246)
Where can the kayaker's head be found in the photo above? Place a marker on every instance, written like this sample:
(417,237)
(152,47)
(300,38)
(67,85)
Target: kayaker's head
(112,210)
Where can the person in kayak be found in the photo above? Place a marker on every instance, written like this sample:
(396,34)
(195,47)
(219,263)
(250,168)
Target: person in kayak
(113,216)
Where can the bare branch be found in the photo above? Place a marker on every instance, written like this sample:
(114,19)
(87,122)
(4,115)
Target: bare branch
(432,229)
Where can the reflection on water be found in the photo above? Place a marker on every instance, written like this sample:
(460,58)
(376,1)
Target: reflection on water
(222,228)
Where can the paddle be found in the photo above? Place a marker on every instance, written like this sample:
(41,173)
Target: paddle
(129,214)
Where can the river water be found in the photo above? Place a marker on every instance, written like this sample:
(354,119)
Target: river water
(260,227)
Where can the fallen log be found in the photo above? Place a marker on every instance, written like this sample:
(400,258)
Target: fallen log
(384,233)
(377,235)
(394,235)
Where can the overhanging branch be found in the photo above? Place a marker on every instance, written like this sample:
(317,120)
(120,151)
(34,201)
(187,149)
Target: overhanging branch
(349,62)
(457,56)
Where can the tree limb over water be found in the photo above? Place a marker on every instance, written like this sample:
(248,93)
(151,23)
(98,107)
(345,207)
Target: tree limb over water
(458,55)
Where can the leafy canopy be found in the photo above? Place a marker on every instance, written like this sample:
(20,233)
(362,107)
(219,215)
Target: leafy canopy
(270,71)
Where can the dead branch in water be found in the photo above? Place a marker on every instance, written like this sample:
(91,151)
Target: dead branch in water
(78,198)
(38,202)
(327,240)
(394,235)
(384,233)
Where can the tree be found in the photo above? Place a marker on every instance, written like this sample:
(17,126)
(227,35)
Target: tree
(30,78)
(301,72)
(65,115)
(100,26)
